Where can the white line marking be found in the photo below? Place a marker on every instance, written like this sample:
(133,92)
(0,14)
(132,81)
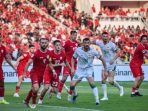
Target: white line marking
(48,106)
(70,108)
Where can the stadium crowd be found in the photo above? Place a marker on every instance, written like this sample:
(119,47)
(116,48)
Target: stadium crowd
(21,24)
(28,35)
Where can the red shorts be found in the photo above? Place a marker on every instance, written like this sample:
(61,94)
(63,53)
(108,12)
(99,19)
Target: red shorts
(67,71)
(1,75)
(49,79)
(137,71)
(36,77)
(20,72)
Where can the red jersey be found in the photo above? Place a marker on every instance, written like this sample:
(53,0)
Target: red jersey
(70,47)
(2,54)
(23,62)
(39,61)
(138,57)
(57,59)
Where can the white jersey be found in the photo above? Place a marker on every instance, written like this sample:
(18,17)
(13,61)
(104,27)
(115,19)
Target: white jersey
(85,59)
(108,50)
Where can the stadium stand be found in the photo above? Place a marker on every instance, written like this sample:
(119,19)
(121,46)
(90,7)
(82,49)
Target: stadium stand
(23,22)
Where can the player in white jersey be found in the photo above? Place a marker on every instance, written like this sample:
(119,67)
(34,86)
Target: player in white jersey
(110,54)
(85,56)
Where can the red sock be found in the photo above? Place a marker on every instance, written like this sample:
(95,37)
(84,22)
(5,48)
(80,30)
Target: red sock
(60,86)
(70,92)
(134,89)
(28,96)
(34,96)
(41,97)
(17,88)
(2,90)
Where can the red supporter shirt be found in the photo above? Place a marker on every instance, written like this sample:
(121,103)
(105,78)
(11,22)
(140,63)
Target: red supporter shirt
(2,54)
(57,59)
(138,57)
(70,47)
(23,62)
(39,61)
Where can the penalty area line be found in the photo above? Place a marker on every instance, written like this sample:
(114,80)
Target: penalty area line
(70,108)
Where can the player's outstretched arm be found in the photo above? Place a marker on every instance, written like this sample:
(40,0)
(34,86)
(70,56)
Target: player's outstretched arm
(18,60)
(117,54)
(72,65)
(104,64)
(26,67)
(67,64)
(52,68)
(9,62)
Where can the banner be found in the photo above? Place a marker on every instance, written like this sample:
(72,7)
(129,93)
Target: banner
(123,73)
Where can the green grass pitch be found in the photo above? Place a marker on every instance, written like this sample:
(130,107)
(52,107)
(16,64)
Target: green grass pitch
(85,100)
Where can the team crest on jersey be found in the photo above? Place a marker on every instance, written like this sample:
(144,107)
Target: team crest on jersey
(107,47)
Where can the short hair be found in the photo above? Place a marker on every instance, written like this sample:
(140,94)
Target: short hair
(31,45)
(72,32)
(55,41)
(143,36)
(104,33)
(44,39)
(86,39)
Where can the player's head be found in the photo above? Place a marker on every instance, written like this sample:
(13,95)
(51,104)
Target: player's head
(44,43)
(144,39)
(105,36)
(73,35)
(31,48)
(86,43)
(57,45)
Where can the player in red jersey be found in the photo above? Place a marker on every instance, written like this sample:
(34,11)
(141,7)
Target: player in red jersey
(136,63)
(57,59)
(39,61)
(69,47)
(20,64)
(2,56)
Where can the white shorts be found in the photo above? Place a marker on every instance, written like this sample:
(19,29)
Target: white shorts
(83,73)
(110,67)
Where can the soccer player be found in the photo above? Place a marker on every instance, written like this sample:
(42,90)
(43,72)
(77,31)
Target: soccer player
(20,64)
(135,64)
(110,54)
(85,55)
(2,56)
(57,59)
(69,47)
(39,61)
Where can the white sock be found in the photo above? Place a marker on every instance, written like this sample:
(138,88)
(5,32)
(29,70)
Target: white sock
(66,87)
(95,92)
(104,88)
(117,85)
(75,92)
(1,98)
(41,88)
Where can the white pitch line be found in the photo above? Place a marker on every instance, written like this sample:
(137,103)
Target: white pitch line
(70,108)
(47,106)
